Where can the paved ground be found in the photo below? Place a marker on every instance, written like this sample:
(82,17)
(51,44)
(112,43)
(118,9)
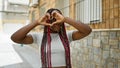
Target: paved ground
(27,54)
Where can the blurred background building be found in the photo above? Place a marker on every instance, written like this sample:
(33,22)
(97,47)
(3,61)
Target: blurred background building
(99,14)
(101,49)
(13,15)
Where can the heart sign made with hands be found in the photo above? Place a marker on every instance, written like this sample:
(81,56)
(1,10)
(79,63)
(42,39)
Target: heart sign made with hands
(59,17)
(50,20)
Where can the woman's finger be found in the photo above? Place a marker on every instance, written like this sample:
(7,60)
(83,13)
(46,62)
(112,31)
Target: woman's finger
(47,15)
(53,14)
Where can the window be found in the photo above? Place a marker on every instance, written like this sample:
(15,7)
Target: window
(89,11)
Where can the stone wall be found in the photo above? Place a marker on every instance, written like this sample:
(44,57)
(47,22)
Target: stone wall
(101,49)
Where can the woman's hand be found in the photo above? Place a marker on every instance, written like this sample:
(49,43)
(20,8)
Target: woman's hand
(59,17)
(43,20)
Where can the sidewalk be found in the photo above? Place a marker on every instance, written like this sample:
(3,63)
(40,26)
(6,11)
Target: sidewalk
(15,56)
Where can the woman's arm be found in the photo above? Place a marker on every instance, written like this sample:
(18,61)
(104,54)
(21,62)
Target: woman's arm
(21,36)
(82,29)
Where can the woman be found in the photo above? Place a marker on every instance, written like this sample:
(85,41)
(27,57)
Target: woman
(54,42)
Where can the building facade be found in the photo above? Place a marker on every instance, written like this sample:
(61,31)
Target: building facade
(14,14)
(101,49)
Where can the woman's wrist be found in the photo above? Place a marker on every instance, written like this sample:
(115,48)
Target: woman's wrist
(63,19)
(66,20)
(36,22)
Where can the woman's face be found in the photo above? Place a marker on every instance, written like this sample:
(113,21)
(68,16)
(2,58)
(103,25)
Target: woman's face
(55,28)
